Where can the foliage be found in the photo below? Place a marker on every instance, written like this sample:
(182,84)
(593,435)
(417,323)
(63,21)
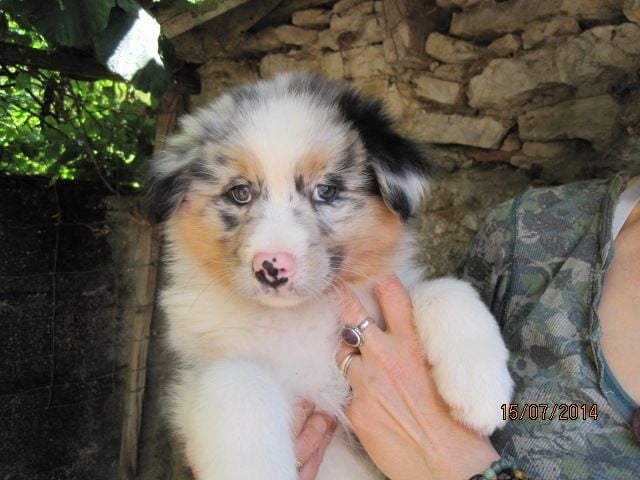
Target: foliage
(119,33)
(63,128)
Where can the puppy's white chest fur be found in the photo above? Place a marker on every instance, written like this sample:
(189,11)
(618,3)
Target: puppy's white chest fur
(297,345)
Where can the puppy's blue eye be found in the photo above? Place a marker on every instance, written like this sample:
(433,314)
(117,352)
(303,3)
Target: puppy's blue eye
(240,194)
(324,193)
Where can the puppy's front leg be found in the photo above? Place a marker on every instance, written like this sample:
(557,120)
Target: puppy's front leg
(462,342)
(235,421)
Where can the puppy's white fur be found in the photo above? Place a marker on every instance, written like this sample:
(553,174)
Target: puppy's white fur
(249,352)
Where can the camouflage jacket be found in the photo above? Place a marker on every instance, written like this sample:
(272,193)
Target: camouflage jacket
(538,263)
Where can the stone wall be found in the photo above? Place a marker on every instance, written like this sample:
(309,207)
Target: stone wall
(504,94)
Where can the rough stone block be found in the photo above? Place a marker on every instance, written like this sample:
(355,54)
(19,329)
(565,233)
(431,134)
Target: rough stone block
(482,132)
(631,10)
(505,45)
(592,119)
(408,23)
(315,17)
(366,62)
(601,54)
(332,65)
(451,50)
(492,19)
(437,90)
(280,62)
(290,35)
(538,31)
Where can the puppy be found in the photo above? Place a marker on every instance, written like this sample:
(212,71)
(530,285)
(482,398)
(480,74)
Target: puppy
(271,196)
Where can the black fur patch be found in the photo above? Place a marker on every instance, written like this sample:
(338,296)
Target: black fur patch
(300,187)
(336,258)
(391,152)
(230,221)
(163,195)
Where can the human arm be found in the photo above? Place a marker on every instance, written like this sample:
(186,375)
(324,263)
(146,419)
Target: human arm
(396,411)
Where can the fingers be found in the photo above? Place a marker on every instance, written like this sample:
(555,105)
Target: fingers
(395,305)
(353,313)
(312,432)
(301,412)
(311,443)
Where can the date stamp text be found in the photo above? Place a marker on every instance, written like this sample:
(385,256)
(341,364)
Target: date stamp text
(548,411)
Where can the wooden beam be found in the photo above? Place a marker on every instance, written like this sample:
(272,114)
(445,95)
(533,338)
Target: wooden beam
(69,64)
(185,21)
(146,263)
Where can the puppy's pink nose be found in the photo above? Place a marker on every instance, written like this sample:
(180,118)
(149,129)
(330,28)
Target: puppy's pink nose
(274,265)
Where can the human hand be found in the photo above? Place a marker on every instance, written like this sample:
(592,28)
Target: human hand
(312,432)
(396,411)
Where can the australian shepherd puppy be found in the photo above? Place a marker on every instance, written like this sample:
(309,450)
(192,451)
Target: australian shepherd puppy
(271,196)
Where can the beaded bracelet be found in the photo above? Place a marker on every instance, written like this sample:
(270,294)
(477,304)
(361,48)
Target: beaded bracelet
(502,470)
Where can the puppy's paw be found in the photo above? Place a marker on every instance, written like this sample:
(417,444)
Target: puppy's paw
(462,342)
(475,389)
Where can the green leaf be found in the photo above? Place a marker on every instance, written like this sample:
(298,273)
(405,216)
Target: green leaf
(66,22)
(23,81)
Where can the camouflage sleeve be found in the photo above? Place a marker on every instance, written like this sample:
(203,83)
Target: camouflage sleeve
(487,265)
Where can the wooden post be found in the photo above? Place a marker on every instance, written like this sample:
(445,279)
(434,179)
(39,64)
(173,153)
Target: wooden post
(140,312)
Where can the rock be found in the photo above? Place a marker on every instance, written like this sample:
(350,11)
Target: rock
(400,104)
(372,31)
(592,119)
(265,40)
(451,72)
(311,18)
(505,45)
(328,39)
(491,19)
(376,87)
(290,35)
(557,162)
(538,31)
(482,132)
(351,21)
(218,76)
(507,82)
(511,143)
(407,25)
(631,10)
(457,3)
(350,5)
(547,149)
(465,3)
(332,65)
(437,90)
(280,62)
(365,62)
(601,54)
(451,50)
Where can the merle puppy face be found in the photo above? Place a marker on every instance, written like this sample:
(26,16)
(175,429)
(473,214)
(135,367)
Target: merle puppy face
(282,189)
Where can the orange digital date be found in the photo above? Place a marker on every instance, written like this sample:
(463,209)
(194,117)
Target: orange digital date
(546,411)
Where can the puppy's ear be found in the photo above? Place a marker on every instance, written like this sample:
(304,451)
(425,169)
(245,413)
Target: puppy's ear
(399,166)
(169,176)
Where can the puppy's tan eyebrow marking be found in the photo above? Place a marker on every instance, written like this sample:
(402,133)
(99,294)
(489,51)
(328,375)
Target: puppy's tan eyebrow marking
(247,167)
(314,165)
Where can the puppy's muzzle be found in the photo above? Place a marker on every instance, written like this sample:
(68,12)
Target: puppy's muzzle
(274,269)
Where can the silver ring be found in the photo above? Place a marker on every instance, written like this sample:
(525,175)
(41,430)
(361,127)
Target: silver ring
(354,336)
(346,363)
(299,465)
